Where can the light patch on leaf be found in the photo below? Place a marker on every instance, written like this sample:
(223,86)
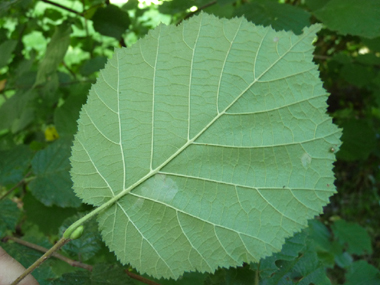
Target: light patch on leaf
(306,160)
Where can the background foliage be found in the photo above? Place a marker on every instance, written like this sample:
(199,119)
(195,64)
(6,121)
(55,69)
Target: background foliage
(50,56)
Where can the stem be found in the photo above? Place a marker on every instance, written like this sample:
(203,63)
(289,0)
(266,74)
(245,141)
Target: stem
(74,263)
(257,279)
(69,261)
(140,278)
(62,7)
(196,11)
(69,70)
(16,186)
(39,261)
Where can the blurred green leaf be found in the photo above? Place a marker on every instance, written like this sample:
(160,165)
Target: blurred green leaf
(179,6)
(357,74)
(316,4)
(100,274)
(18,111)
(66,116)
(279,16)
(354,236)
(362,273)
(55,52)
(13,164)
(93,65)
(111,21)
(52,14)
(9,215)
(358,18)
(372,44)
(306,269)
(359,140)
(46,218)
(6,50)
(52,185)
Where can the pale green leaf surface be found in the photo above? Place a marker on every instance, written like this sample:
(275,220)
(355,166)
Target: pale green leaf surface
(217,131)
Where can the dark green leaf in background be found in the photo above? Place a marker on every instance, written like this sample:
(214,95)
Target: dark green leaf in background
(6,49)
(93,65)
(359,140)
(358,18)
(362,273)
(279,16)
(316,4)
(306,269)
(354,236)
(13,164)
(18,111)
(55,52)
(9,215)
(46,218)
(66,116)
(102,274)
(372,44)
(111,21)
(290,251)
(357,74)
(52,185)
(180,6)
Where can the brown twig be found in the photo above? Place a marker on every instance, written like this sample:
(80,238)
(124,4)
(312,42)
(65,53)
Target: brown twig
(16,186)
(140,278)
(62,7)
(69,69)
(324,57)
(69,261)
(39,261)
(196,11)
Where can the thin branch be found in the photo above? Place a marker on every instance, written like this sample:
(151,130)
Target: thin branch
(71,262)
(16,186)
(324,57)
(62,7)
(69,69)
(39,261)
(196,11)
(140,278)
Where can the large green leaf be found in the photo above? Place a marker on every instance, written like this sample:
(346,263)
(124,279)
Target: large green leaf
(212,140)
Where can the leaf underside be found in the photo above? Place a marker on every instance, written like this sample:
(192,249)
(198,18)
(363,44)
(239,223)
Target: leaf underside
(216,130)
